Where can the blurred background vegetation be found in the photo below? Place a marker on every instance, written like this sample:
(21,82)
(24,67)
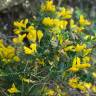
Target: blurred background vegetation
(11,10)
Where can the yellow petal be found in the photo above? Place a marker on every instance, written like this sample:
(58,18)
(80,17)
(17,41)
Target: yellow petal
(13,89)
(16,58)
(73,69)
(32,35)
(33,47)
(27,50)
(39,34)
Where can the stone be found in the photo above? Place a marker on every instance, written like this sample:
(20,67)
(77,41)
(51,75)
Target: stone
(4,4)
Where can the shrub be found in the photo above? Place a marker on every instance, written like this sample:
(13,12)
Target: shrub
(49,55)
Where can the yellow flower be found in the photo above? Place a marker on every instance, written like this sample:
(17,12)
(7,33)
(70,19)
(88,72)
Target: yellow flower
(87,85)
(72,25)
(16,58)
(83,21)
(1,43)
(73,82)
(13,89)
(32,35)
(21,24)
(30,28)
(22,27)
(87,51)
(60,39)
(81,87)
(54,41)
(75,64)
(26,80)
(6,52)
(93,88)
(17,31)
(9,52)
(80,29)
(47,21)
(48,6)
(30,50)
(89,37)
(76,61)
(50,92)
(83,66)
(39,34)
(65,13)
(55,22)
(55,30)
(33,47)
(69,48)
(41,61)
(73,69)
(60,23)
(94,74)
(86,59)
(80,47)
(19,39)
(75,28)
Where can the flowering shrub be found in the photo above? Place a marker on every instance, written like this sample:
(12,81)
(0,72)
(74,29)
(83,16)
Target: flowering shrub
(49,55)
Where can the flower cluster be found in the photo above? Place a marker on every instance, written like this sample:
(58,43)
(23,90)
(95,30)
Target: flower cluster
(30,34)
(7,53)
(48,6)
(52,53)
(84,86)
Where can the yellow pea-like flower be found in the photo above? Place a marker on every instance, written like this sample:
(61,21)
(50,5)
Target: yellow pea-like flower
(27,80)
(21,24)
(50,92)
(13,89)
(33,47)
(48,21)
(73,82)
(94,88)
(72,25)
(40,35)
(80,47)
(86,59)
(19,39)
(73,69)
(27,50)
(17,31)
(87,85)
(16,58)
(87,51)
(1,43)
(83,66)
(65,13)
(30,28)
(94,74)
(60,23)
(31,50)
(8,52)
(83,21)
(48,6)
(75,64)
(32,35)
(69,48)
(81,86)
